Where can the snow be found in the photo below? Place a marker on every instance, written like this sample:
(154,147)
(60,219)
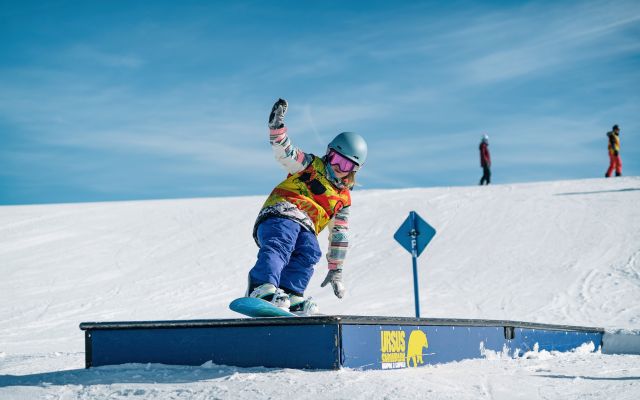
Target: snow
(564,252)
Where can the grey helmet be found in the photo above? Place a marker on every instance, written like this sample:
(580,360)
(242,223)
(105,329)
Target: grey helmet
(351,145)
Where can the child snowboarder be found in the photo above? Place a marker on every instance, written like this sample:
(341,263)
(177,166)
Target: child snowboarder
(313,196)
(615,162)
(485,160)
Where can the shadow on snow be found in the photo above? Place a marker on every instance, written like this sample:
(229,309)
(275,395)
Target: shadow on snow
(128,373)
(598,192)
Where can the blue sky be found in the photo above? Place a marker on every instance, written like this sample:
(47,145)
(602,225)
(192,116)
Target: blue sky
(122,100)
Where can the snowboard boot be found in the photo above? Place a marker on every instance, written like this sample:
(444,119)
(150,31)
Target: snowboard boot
(268,292)
(302,306)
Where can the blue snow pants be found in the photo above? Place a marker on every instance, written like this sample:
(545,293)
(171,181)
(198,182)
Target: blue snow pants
(287,255)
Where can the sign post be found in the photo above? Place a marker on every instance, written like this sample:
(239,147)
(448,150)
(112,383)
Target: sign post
(414,234)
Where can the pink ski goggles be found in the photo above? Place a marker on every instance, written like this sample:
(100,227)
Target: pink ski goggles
(342,162)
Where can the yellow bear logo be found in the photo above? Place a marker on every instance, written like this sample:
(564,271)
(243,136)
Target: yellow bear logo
(417,341)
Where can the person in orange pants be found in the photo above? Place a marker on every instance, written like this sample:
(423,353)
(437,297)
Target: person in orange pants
(615,163)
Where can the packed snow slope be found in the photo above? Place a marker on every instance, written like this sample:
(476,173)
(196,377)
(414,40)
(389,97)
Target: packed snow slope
(555,252)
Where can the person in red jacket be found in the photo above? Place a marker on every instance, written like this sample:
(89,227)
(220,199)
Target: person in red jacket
(615,163)
(485,160)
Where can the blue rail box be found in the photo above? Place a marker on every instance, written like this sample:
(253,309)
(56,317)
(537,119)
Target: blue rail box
(322,342)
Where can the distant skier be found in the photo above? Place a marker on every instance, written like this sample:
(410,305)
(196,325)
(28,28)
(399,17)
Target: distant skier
(615,162)
(485,160)
(316,194)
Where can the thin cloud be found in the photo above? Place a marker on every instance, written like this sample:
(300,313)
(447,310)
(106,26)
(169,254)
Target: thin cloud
(90,55)
(567,36)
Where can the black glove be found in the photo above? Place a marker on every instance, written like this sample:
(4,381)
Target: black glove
(615,153)
(334,276)
(276,118)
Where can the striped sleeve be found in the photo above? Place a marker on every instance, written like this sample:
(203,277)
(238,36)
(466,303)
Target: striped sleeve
(292,159)
(338,239)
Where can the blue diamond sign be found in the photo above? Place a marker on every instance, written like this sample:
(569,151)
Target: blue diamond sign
(414,228)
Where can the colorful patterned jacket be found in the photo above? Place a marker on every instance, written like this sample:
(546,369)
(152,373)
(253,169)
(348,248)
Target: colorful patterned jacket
(614,143)
(310,195)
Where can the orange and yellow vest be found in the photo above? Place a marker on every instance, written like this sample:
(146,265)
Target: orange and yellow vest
(312,192)
(614,142)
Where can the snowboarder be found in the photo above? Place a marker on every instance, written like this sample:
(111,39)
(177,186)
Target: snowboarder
(315,195)
(485,160)
(615,163)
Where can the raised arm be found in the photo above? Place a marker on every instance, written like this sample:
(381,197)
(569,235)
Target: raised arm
(292,159)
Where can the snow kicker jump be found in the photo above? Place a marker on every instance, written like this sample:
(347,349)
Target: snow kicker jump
(322,342)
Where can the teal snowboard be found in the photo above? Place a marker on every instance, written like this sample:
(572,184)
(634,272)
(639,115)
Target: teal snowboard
(258,308)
